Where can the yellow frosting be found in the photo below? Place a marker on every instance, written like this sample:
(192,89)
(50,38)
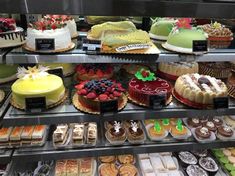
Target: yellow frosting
(50,86)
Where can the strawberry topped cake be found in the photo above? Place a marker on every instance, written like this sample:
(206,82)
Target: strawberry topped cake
(68,20)
(91,93)
(94,71)
(58,31)
(146,84)
(10,35)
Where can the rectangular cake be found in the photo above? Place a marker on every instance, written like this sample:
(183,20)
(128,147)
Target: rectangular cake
(60,134)
(5,136)
(91,133)
(60,168)
(72,168)
(86,166)
(15,136)
(38,134)
(26,136)
(78,134)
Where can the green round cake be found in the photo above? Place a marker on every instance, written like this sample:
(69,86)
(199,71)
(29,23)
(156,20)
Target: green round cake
(161,29)
(7,73)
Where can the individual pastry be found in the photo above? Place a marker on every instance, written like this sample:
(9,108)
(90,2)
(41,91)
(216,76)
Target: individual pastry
(195,170)
(202,133)
(7,73)
(208,164)
(182,36)
(60,168)
(38,134)
(60,134)
(108,169)
(166,124)
(86,166)
(161,28)
(219,70)
(224,131)
(78,134)
(128,170)
(169,162)
(157,164)
(128,123)
(94,71)
(199,89)
(231,84)
(210,126)
(146,166)
(116,133)
(11,35)
(68,68)
(91,93)
(72,167)
(135,133)
(15,136)
(149,121)
(126,159)
(156,86)
(172,70)
(107,159)
(110,124)
(55,30)
(5,136)
(179,129)
(91,133)
(26,135)
(194,122)
(231,159)
(230,121)
(187,158)
(157,131)
(227,152)
(173,121)
(36,82)
(229,167)
(217,121)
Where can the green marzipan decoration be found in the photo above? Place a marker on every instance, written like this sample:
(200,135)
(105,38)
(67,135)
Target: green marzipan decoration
(139,75)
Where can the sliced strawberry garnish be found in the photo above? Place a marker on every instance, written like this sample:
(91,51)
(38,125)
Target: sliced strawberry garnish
(117,94)
(91,95)
(91,72)
(83,92)
(103,97)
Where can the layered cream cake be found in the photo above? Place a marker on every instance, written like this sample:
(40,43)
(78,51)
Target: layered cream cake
(7,73)
(49,30)
(36,82)
(200,89)
(176,69)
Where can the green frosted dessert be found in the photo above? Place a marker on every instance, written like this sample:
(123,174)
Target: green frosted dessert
(229,167)
(161,29)
(7,73)
(224,160)
(232,173)
(218,153)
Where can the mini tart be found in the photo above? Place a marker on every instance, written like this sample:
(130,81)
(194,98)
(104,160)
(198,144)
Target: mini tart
(108,169)
(110,124)
(176,132)
(167,126)
(126,159)
(218,122)
(128,123)
(155,133)
(115,135)
(91,93)
(215,69)
(107,159)
(225,131)
(195,170)
(203,133)
(194,122)
(208,164)
(135,133)
(94,71)
(210,126)
(187,157)
(128,170)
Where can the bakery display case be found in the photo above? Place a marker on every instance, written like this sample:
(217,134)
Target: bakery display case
(137,95)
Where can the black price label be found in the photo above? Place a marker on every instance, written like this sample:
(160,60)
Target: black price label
(157,101)
(200,46)
(35,104)
(220,102)
(57,71)
(109,106)
(91,45)
(45,44)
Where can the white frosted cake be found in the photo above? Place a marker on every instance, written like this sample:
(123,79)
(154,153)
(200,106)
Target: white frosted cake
(47,30)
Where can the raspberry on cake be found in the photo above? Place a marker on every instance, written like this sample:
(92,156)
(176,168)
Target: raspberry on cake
(146,84)
(91,93)
(94,71)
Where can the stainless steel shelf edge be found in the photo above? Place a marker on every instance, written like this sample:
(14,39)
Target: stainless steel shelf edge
(117,150)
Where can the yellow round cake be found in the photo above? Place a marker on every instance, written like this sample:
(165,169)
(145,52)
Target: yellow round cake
(36,83)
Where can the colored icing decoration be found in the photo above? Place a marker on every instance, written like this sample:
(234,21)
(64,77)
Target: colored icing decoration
(145,75)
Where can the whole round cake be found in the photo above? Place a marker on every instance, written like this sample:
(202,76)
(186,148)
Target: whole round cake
(94,71)
(7,73)
(49,30)
(172,70)
(146,84)
(198,90)
(91,93)
(10,34)
(161,29)
(36,82)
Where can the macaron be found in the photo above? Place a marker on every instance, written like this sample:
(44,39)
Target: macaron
(232,173)
(231,159)
(233,151)
(229,167)
(219,153)
(224,160)
(227,152)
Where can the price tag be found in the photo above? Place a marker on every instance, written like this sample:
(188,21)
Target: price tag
(57,71)
(220,102)
(91,45)
(200,46)
(45,44)
(35,104)
(157,101)
(109,107)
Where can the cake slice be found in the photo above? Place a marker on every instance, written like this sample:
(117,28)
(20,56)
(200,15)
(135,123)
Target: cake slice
(78,134)
(72,168)
(38,134)
(60,168)
(86,167)
(26,136)
(146,166)
(169,163)
(91,133)
(15,136)
(60,134)
(5,136)
(157,164)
